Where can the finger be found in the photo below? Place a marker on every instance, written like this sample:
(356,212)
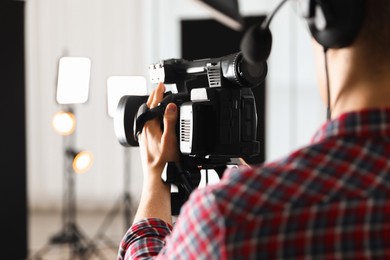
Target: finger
(150,98)
(158,95)
(243,162)
(153,126)
(170,118)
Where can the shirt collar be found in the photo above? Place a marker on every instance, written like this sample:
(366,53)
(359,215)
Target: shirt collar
(363,123)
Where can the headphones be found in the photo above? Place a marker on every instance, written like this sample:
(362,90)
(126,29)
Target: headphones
(332,23)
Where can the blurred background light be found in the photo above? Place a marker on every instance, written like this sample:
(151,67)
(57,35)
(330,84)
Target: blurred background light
(64,123)
(82,161)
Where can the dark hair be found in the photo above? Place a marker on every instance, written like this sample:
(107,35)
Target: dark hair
(374,37)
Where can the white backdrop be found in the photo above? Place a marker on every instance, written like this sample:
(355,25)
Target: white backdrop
(122,37)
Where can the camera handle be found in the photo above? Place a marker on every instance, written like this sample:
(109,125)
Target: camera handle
(145,114)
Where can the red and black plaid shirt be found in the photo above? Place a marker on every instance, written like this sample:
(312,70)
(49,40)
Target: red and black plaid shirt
(329,200)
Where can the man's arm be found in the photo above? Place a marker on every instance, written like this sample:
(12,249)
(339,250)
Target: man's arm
(157,148)
(153,219)
(155,201)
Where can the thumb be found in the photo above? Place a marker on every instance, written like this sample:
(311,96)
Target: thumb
(170,117)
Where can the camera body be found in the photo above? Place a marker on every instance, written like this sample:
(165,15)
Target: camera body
(219,123)
(217,118)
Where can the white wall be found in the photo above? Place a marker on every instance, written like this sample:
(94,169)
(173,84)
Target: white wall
(122,37)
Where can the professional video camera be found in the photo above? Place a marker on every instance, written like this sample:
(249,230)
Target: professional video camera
(217,120)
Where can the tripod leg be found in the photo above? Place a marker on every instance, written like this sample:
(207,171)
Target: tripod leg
(38,255)
(108,219)
(125,202)
(83,246)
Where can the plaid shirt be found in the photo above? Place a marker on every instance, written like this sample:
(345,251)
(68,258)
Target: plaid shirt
(329,200)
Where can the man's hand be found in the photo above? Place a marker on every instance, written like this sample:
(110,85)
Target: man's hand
(157,148)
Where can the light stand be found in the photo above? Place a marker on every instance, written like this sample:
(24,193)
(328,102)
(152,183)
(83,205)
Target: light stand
(117,87)
(124,203)
(81,247)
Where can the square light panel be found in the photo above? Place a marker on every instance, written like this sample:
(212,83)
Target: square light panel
(73,80)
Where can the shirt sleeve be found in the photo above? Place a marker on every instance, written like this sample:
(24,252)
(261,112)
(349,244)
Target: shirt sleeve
(144,239)
(198,233)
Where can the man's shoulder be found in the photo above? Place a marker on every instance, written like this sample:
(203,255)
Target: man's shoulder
(305,159)
(294,180)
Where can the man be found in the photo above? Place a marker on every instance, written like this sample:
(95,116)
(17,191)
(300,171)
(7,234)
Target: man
(327,200)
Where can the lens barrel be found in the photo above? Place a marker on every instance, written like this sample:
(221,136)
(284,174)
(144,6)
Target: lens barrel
(245,74)
(125,117)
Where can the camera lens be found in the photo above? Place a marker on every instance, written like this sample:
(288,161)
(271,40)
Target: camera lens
(124,119)
(241,72)
(253,74)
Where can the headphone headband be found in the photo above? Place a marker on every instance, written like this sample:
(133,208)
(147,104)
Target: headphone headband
(334,23)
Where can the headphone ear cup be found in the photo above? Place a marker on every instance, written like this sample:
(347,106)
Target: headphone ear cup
(342,22)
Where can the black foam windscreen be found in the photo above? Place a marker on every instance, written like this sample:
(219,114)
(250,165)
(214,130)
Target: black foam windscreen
(256,44)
